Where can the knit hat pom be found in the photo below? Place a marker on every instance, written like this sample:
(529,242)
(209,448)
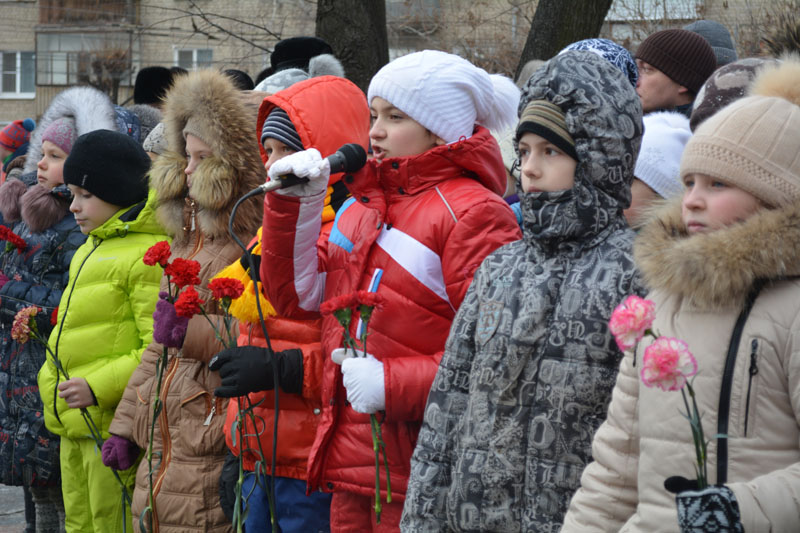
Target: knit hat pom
(501,113)
(780,80)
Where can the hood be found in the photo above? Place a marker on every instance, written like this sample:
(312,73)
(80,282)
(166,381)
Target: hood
(90,108)
(604,117)
(139,218)
(235,168)
(716,270)
(326,111)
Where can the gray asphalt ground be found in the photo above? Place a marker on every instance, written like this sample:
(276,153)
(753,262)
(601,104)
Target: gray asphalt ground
(12,510)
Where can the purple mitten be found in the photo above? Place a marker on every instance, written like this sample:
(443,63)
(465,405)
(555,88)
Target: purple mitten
(119,453)
(169,329)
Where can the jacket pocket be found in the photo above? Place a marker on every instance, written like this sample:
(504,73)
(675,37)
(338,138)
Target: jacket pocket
(143,412)
(202,420)
(751,389)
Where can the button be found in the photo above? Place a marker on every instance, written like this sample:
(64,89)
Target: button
(395,165)
(536,204)
(538,269)
(400,190)
(348,178)
(364,199)
(330,485)
(536,228)
(332,402)
(316,411)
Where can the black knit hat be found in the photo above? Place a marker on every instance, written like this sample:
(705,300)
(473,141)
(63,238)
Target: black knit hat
(110,165)
(151,85)
(684,56)
(296,52)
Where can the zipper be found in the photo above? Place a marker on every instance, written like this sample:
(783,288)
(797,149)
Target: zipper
(166,442)
(752,371)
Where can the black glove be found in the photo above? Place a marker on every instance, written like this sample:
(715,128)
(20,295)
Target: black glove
(247,369)
(227,484)
(713,508)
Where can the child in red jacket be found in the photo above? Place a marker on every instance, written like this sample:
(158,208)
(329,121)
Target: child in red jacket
(423,215)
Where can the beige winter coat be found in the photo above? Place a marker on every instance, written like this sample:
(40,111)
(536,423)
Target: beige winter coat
(189,431)
(698,284)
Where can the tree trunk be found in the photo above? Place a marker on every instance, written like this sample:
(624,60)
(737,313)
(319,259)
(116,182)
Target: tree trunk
(356,30)
(558,23)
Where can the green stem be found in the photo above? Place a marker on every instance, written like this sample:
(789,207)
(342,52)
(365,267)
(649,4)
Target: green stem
(376,449)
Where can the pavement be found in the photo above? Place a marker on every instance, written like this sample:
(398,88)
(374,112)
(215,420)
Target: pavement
(12,510)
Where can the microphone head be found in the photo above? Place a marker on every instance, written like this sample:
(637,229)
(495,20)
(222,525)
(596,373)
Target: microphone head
(349,158)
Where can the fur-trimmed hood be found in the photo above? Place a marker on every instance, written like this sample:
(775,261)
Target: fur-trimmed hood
(229,128)
(716,270)
(89,108)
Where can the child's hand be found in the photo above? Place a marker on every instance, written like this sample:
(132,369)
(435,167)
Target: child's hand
(76,392)
(306,164)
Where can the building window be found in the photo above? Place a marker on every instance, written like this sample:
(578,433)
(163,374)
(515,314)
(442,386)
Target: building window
(81,58)
(18,74)
(195,58)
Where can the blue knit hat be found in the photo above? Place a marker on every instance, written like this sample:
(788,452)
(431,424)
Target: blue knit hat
(279,126)
(612,52)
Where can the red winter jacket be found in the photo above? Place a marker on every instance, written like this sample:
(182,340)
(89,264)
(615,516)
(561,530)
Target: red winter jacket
(327,112)
(415,230)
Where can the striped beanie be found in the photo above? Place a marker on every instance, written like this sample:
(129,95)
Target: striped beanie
(548,121)
(279,126)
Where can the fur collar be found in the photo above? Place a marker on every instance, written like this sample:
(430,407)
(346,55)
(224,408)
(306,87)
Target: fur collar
(716,270)
(220,180)
(41,207)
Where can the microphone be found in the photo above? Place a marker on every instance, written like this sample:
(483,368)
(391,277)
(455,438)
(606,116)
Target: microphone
(349,158)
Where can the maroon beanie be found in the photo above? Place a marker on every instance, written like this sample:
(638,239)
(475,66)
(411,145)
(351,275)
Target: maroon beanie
(684,56)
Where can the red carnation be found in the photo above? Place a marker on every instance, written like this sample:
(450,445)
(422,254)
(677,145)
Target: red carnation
(370,299)
(188,303)
(344,301)
(183,272)
(54,317)
(13,239)
(225,288)
(158,254)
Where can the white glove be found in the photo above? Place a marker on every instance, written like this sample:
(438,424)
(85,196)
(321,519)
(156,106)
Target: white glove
(363,379)
(306,164)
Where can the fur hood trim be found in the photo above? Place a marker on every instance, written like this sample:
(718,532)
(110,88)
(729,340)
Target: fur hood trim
(90,108)
(10,195)
(41,209)
(716,270)
(210,99)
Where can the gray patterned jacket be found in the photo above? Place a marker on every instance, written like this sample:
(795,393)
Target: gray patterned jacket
(529,365)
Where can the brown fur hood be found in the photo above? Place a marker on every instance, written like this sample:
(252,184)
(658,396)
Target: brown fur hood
(716,270)
(234,169)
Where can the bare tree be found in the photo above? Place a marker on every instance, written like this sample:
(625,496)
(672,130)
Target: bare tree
(356,30)
(558,23)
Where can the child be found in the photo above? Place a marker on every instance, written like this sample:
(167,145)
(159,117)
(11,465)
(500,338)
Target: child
(211,161)
(530,363)
(36,207)
(14,145)
(734,230)
(248,369)
(104,318)
(423,214)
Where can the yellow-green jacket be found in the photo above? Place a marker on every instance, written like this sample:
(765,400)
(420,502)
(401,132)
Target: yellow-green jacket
(105,319)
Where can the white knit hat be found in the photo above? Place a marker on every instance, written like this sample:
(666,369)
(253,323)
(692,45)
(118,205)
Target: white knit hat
(665,136)
(446,94)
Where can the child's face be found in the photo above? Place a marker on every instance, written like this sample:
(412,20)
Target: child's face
(196,151)
(543,166)
(275,150)
(642,196)
(710,204)
(50,170)
(395,134)
(90,211)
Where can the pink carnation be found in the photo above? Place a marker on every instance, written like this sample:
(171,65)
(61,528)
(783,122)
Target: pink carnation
(667,363)
(630,320)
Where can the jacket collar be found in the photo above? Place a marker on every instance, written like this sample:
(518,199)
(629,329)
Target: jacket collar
(716,270)
(478,157)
